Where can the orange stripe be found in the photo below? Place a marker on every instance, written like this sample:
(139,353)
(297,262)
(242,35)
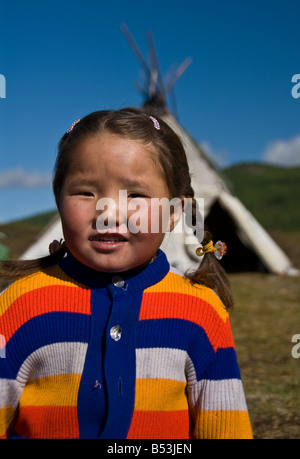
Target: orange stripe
(175,283)
(6,417)
(43,300)
(47,422)
(223,425)
(52,276)
(160,395)
(179,306)
(53,390)
(159,425)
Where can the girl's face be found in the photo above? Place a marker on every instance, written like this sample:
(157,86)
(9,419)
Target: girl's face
(102,166)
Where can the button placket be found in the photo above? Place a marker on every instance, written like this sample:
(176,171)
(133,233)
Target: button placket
(116,332)
(118,281)
(118,285)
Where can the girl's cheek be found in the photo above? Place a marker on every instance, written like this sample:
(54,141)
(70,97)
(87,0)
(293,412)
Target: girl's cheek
(150,218)
(138,220)
(160,217)
(76,213)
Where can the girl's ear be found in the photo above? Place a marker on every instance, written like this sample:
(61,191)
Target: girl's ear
(178,209)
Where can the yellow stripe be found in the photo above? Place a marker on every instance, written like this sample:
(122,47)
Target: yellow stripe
(6,417)
(53,276)
(160,395)
(223,425)
(175,283)
(57,390)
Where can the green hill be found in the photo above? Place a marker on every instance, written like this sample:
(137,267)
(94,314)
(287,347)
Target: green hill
(21,234)
(271,193)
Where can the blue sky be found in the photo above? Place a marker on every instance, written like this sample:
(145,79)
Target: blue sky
(64,59)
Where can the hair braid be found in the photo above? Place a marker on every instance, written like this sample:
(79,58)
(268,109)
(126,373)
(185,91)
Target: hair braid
(209,273)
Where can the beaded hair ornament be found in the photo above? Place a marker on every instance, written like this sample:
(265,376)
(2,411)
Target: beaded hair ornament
(219,249)
(155,122)
(72,125)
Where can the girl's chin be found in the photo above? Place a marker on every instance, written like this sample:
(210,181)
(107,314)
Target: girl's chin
(110,266)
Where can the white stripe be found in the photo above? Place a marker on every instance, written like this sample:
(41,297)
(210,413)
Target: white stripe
(165,363)
(226,394)
(10,392)
(56,358)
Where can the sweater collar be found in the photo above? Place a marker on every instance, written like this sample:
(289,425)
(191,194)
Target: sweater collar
(137,279)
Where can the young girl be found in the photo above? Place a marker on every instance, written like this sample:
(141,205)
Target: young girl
(103,338)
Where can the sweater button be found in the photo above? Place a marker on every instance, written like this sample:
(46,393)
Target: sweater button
(118,281)
(116,332)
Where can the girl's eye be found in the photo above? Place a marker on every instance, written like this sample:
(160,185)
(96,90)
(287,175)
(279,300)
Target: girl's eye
(86,193)
(137,195)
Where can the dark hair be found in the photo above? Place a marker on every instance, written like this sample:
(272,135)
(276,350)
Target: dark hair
(135,124)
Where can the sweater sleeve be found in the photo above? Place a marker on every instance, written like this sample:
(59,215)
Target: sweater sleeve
(10,388)
(10,393)
(216,395)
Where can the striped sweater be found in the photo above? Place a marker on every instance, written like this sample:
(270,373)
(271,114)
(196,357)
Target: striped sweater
(142,356)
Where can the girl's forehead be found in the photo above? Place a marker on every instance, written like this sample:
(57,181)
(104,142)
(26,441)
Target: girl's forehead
(107,141)
(109,154)
(112,147)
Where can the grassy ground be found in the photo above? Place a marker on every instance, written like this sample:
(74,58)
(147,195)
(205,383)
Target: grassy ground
(265,318)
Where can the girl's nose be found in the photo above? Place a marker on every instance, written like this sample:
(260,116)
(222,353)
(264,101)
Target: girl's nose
(111,213)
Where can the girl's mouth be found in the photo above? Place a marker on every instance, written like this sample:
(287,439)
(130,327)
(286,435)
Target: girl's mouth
(107,241)
(108,238)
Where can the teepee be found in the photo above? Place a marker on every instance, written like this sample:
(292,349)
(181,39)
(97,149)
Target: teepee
(250,247)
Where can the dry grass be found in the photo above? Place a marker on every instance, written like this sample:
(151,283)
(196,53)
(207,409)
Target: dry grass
(264,319)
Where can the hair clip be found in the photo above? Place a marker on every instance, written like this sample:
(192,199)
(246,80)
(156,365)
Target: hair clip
(219,249)
(155,122)
(72,125)
(55,245)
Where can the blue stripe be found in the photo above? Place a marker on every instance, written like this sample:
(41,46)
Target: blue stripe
(43,330)
(177,334)
(190,337)
(224,365)
(5,370)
